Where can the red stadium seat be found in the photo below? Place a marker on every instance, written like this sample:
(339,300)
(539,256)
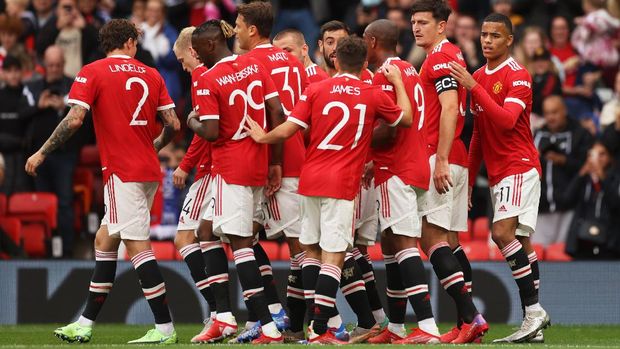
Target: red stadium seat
(540,251)
(272,249)
(465,236)
(555,253)
(3,205)
(285,253)
(13,228)
(35,207)
(375,252)
(89,156)
(476,250)
(228,251)
(34,237)
(163,250)
(481,229)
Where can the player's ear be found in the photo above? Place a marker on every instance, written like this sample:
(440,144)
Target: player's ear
(365,66)
(441,27)
(252,30)
(510,40)
(320,42)
(305,49)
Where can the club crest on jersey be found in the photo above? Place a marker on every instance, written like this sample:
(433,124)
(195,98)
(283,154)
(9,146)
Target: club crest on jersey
(497,87)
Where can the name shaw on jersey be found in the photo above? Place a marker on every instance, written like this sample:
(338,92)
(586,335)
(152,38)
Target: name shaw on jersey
(126,68)
(343,89)
(238,76)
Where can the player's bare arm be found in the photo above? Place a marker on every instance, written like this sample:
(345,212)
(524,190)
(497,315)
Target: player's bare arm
(65,129)
(171,126)
(393,75)
(461,75)
(447,128)
(383,136)
(278,135)
(208,129)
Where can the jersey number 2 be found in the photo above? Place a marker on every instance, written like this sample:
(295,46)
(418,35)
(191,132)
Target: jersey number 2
(145,94)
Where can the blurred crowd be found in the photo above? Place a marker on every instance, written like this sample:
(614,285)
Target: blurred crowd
(570,47)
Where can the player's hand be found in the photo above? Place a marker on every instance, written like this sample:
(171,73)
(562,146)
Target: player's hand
(462,76)
(255,130)
(179,177)
(33,163)
(392,73)
(44,99)
(555,157)
(274,179)
(369,173)
(470,189)
(441,176)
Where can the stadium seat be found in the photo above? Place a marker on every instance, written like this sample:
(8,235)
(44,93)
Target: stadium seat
(13,228)
(540,251)
(3,205)
(272,248)
(83,188)
(35,208)
(375,252)
(35,236)
(476,250)
(163,250)
(556,253)
(481,229)
(285,253)
(465,236)
(89,156)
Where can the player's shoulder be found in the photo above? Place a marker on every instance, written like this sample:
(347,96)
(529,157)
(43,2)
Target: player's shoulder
(446,49)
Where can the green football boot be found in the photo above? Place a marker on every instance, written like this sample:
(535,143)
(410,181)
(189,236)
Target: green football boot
(73,332)
(153,336)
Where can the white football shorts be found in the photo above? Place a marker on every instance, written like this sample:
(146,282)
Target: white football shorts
(327,222)
(518,196)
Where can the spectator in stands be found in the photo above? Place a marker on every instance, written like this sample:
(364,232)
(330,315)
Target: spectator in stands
(158,38)
(137,12)
(467,35)
(69,30)
(533,39)
(611,109)
(405,35)
(582,100)
(611,136)
(18,9)
(563,146)
(43,12)
(561,48)
(545,81)
(504,7)
(595,229)
(56,174)
(92,14)
(298,14)
(13,124)
(10,30)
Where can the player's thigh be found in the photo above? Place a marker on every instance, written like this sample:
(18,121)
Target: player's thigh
(310,210)
(104,242)
(398,208)
(281,211)
(336,224)
(435,207)
(195,204)
(459,204)
(235,208)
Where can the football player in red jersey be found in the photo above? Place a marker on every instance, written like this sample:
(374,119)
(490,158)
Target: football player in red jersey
(197,211)
(294,42)
(331,32)
(444,205)
(125,96)
(340,112)
(501,103)
(233,89)
(401,172)
(281,210)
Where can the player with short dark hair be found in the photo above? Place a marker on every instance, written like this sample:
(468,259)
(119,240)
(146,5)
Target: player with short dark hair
(401,175)
(124,96)
(341,112)
(444,206)
(236,88)
(294,42)
(501,104)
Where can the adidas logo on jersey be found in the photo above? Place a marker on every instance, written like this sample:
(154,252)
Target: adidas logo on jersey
(502,209)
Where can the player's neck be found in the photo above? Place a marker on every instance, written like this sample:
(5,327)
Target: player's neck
(385,55)
(307,62)
(437,41)
(258,42)
(356,74)
(221,54)
(118,52)
(330,71)
(494,63)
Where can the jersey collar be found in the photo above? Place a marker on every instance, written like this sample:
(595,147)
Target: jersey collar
(119,56)
(225,59)
(264,46)
(500,66)
(346,75)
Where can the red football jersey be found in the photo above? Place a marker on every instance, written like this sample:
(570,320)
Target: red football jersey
(501,103)
(435,75)
(367,76)
(199,151)
(407,158)
(341,113)
(124,96)
(315,73)
(234,87)
(290,80)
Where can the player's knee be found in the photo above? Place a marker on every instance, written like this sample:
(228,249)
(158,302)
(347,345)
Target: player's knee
(501,237)
(184,238)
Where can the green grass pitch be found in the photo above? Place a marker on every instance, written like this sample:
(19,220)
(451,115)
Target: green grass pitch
(114,336)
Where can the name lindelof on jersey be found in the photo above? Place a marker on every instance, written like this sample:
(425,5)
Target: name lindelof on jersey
(126,68)
(238,76)
(278,56)
(343,89)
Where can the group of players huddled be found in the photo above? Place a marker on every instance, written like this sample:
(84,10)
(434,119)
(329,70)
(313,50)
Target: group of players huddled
(326,157)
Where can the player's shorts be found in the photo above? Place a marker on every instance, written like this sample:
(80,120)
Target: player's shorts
(398,208)
(281,211)
(449,210)
(235,208)
(127,208)
(327,222)
(518,196)
(366,220)
(198,204)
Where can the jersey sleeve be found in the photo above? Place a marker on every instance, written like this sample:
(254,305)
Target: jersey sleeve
(387,110)
(439,66)
(84,88)
(303,109)
(207,106)
(165,102)
(520,90)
